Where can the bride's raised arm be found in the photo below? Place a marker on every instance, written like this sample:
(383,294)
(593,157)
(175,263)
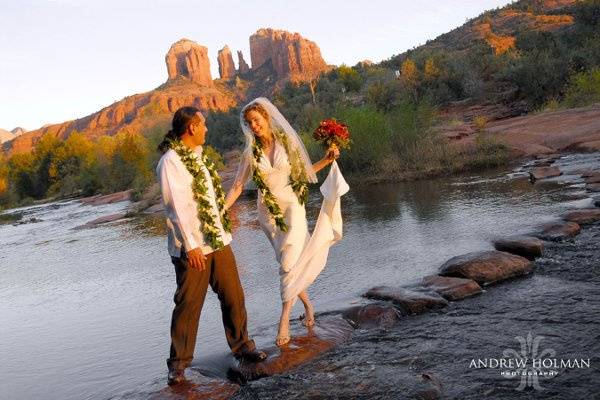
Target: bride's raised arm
(328,158)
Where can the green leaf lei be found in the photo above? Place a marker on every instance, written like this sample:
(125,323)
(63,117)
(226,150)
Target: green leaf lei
(200,193)
(298,179)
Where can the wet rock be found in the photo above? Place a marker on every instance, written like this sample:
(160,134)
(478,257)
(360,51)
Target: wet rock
(326,334)
(486,267)
(428,387)
(107,199)
(102,220)
(583,216)
(452,288)
(197,387)
(558,231)
(596,201)
(591,146)
(416,300)
(372,316)
(592,178)
(524,246)
(544,172)
(593,187)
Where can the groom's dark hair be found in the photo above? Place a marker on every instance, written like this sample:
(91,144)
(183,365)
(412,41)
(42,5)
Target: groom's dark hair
(182,119)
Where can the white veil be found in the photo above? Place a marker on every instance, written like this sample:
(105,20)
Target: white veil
(277,121)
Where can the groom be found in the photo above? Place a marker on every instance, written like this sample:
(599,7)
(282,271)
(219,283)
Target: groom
(197,263)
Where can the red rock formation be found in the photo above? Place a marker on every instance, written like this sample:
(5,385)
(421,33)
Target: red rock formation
(243,66)
(292,57)
(190,60)
(226,66)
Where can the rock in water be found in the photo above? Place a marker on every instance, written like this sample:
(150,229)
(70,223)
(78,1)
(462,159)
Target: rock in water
(593,187)
(372,316)
(583,216)
(452,288)
(544,172)
(486,267)
(593,178)
(415,300)
(326,334)
(197,387)
(524,246)
(559,231)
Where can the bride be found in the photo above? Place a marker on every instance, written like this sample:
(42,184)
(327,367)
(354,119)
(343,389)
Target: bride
(278,163)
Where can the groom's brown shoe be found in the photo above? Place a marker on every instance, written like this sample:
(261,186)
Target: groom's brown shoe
(251,355)
(175,377)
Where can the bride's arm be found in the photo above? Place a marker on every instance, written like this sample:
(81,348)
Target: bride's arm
(241,177)
(329,157)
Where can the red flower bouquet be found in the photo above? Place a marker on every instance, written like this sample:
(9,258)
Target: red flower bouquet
(331,132)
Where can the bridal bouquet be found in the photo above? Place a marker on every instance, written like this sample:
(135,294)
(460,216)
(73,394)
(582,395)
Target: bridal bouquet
(331,132)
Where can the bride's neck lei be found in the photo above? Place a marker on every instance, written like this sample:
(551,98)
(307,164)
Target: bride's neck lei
(200,193)
(298,179)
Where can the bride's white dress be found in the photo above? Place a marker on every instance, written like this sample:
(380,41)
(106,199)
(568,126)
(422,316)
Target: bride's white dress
(301,256)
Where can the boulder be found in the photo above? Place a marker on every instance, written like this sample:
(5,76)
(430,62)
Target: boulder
(486,267)
(415,300)
(583,216)
(558,231)
(452,289)
(372,316)
(544,172)
(327,333)
(524,246)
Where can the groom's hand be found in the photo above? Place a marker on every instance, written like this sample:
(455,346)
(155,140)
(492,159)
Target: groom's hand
(196,259)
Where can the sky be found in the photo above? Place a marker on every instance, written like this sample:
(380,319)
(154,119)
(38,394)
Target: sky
(65,59)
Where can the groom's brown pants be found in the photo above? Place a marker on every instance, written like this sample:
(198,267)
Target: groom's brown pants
(222,275)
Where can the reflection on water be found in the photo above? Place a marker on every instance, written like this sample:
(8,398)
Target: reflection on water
(85,313)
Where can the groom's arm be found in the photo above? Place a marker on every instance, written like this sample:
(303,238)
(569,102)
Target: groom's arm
(181,211)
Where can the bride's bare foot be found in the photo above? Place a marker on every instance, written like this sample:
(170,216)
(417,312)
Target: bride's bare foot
(308,319)
(283,336)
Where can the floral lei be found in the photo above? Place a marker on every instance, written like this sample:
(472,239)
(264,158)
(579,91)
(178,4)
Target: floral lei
(298,179)
(200,193)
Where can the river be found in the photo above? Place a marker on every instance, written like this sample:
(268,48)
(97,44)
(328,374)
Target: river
(85,313)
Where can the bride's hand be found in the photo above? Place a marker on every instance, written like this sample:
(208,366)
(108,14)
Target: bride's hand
(332,153)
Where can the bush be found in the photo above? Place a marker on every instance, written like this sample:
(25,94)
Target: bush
(583,89)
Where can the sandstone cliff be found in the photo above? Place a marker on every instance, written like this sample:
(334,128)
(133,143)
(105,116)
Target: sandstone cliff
(243,67)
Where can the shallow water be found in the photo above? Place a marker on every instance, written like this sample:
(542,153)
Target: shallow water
(85,313)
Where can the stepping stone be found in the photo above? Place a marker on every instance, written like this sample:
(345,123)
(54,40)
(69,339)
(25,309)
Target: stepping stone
(544,172)
(327,333)
(583,216)
(524,246)
(592,178)
(372,316)
(486,267)
(452,288)
(593,187)
(102,220)
(196,386)
(415,300)
(558,231)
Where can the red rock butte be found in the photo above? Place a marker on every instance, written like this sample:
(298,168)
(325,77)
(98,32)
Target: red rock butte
(188,59)
(292,56)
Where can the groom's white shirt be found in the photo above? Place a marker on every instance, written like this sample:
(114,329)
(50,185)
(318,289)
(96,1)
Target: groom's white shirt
(181,208)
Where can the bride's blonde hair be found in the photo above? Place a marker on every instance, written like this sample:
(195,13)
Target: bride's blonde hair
(259,109)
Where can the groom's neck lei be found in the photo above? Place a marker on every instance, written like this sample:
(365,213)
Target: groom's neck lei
(298,179)
(200,193)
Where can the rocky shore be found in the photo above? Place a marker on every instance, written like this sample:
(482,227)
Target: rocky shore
(534,297)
